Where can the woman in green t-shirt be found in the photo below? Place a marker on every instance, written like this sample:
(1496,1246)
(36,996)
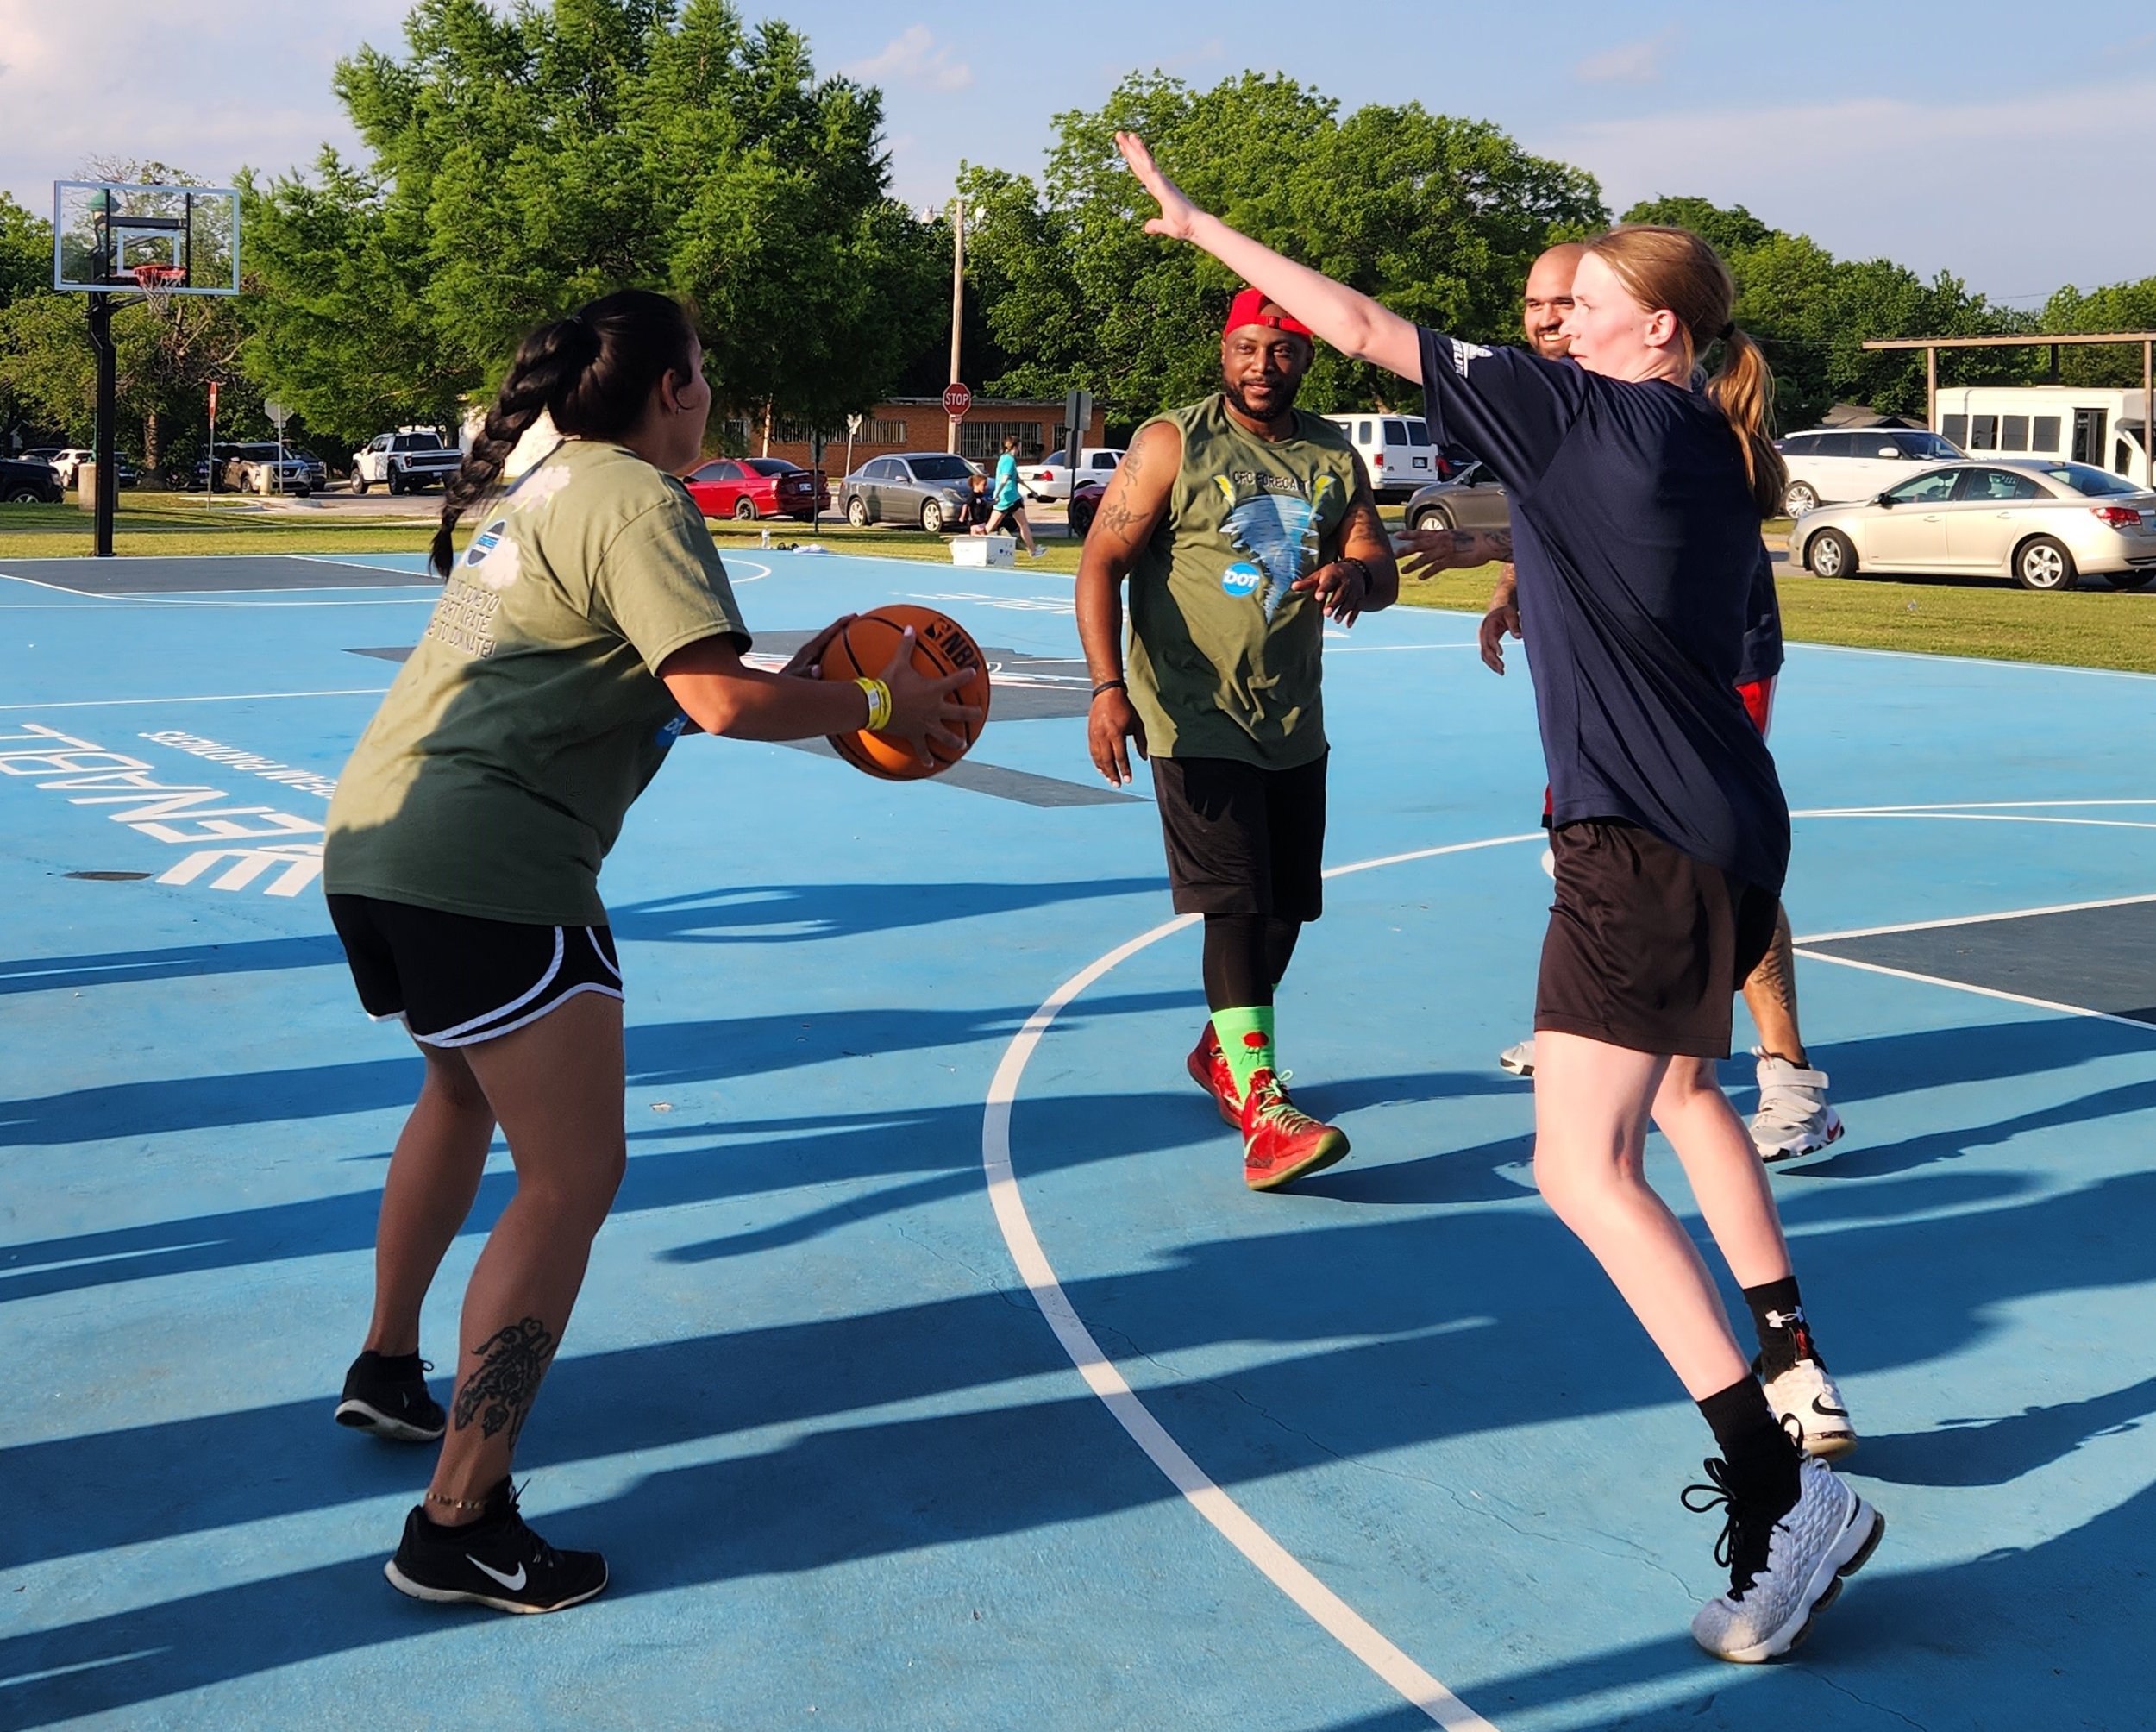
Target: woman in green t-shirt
(587,626)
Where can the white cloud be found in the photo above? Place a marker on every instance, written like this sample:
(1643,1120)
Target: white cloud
(1976,187)
(912,56)
(1628,63)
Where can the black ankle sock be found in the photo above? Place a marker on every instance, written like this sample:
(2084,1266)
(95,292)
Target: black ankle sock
(1763,1461)
(1778,1314)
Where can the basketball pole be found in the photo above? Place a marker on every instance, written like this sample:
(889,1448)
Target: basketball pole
(108,410)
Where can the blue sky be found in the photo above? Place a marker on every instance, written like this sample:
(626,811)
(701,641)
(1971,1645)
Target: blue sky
(2009,143)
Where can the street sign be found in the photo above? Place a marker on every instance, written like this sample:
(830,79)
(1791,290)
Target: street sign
(213,400)
(853,424)
(277,413)
(1078,420)
(956,401)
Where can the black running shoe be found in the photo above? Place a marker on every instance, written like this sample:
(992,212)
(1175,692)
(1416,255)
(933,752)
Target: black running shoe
(495,1561)
(388,1397)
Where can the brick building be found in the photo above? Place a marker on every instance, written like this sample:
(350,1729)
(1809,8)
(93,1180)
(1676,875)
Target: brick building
(909,423)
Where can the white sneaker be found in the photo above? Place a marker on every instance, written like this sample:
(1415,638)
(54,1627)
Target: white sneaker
(1807,1394)
(1779,1581)
(1794,1116)
(1519,1059)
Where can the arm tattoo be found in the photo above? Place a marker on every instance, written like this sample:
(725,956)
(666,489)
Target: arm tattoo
(498,1392)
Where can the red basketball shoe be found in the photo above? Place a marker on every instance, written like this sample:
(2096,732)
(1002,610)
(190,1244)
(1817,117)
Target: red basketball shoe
(1280,1142)
(1210,1070)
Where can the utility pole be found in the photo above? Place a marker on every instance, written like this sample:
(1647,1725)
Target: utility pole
(958,300)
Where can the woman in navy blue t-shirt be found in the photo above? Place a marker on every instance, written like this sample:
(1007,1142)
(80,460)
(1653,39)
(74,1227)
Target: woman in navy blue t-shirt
(1636,505)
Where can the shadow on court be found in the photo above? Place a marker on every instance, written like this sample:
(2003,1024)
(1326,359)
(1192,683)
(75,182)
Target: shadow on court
(781,914)
(659,1054)
(182,961)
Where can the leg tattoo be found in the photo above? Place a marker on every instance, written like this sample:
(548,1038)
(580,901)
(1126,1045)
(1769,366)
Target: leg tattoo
(499,1393)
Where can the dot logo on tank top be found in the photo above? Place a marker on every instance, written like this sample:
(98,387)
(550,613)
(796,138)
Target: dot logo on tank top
(492,559)
(1269,518)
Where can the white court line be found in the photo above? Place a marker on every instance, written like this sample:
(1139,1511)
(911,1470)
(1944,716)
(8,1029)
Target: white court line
(1981,991)
(1970,661)
(218,698)
(1970,919)
(127,601)
(1973,816)
(1391,649)
(1235,1524)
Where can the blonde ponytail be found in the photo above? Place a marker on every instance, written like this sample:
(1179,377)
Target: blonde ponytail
(1743,391)
(1674,268)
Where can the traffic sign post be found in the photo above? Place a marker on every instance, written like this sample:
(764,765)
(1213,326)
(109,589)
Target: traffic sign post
(211,484)
(956,401)
(279,416)
(1077,418)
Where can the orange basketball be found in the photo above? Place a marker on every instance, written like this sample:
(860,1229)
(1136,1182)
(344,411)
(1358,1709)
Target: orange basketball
(941,646)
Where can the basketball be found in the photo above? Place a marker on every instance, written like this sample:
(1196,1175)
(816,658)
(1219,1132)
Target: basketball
(941,646)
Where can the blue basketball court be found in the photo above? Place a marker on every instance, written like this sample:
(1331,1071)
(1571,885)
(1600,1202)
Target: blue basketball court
(937,1370)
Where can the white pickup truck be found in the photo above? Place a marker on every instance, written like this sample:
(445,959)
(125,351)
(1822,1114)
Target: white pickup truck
(404,462)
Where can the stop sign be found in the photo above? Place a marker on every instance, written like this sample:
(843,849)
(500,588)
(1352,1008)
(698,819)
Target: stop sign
(956,401)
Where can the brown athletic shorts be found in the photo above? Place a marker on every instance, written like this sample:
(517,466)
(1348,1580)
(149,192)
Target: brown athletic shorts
(1646,945)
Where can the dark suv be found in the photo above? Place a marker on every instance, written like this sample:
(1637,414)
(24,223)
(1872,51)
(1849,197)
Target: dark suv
(33,483)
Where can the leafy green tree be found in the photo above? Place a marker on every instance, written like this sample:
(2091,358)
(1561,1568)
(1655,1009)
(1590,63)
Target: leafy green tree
(2117,307)
(522,162)
(1437,216)
(1813,313)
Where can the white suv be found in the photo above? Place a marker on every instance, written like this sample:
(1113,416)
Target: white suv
(1052,478)
(1395,448)
(1830,464)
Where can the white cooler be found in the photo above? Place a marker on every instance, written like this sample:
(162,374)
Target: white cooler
(984,550)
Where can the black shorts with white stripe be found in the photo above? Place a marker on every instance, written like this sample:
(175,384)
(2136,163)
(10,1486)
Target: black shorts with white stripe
(456,979)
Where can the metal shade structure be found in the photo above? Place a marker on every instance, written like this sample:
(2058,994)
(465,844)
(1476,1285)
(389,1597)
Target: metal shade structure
(1932,345)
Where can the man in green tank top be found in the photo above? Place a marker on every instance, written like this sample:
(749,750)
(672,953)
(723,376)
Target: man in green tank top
(1242,524)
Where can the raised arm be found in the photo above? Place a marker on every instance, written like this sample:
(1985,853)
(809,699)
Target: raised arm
(1131,510)
(1348,319)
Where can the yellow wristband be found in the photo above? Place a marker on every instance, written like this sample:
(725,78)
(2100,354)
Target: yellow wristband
(879,704)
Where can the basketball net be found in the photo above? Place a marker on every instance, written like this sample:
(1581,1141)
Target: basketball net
(157,282)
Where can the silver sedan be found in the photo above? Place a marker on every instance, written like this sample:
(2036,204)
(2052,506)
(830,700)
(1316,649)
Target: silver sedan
(1473,499)
(2037,520)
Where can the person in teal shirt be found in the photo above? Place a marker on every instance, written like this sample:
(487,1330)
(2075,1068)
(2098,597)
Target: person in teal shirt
(1010,499)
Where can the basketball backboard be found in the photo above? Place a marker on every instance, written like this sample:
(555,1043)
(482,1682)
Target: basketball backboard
(104,232)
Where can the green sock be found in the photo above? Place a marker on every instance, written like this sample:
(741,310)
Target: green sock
(1246,1036)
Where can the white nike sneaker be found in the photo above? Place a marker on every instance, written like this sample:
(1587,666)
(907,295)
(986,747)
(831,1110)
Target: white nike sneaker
(1781,1579)
(1519,1059)
(1795,1117)
(1807,1394)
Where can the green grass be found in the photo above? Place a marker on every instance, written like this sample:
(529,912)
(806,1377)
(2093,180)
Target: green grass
(2092,627)
(2084,628)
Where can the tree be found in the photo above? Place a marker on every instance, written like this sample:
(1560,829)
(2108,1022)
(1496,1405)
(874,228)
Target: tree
(1438,217)
(523,162)
(2118,307)
(1812,312)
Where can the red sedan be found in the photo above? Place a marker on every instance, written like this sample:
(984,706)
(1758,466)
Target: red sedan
(753,487)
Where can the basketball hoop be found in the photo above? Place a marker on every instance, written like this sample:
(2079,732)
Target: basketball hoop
(157,282)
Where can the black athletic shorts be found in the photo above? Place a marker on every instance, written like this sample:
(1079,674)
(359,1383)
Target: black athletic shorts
(1646,945)
(1243,840)
(457,979)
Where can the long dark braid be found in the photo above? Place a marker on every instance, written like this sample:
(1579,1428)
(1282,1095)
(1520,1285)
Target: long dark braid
(593,372)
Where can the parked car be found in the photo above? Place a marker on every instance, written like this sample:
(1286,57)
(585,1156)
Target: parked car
(753,487)
(254,467)
(67,464)
(41,453)
(1395,450)
(922,487)
(1085,506)
(2041,522)
(1051,478)
(1470,500)
(1831,463)
(405,461)
(31,482)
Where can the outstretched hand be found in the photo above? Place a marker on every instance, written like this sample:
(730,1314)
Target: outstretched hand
(1178,216)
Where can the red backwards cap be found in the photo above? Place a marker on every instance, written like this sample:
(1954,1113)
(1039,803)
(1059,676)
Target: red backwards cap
(1248,309)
